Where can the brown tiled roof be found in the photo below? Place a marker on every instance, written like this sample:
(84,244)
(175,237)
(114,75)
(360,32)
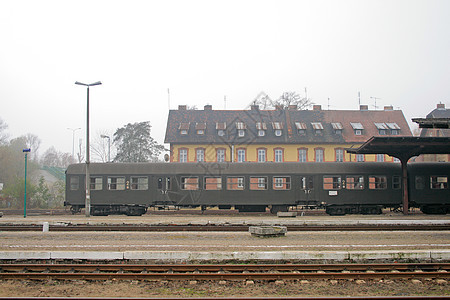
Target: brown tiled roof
(231,120)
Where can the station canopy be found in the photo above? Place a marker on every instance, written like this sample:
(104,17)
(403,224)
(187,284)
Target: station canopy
(403,147)
(442,123)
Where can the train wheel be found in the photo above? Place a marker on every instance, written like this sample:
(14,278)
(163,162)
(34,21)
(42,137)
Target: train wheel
(335,210)
(277,208)
(75,209)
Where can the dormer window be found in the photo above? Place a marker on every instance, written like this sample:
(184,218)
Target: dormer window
(278,128)
(357,128)
(184,128)
(221,127)
(317,127)
(200,128)
(301,128)
(395,129)
(261,127)
(382,128)
(337,128)
(241,127)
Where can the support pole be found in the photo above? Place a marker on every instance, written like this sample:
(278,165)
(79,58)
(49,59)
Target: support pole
(405,196)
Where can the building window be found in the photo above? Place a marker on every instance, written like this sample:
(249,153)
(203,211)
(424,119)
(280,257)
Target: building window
(357,128)
(200,131)
(220,153)
(381,132)
(200,154)
(302,131)
(241,155)
(380,157)
(96,183)
(355,182)
(261,132)
(319,155)
(358,132)
(241,132)
(235,183)
(377,182)
(360,157)
(139,183)
(302,155)
(278,132)
(183,155)
(189,183)
(261,155)
(438,182)
(116,183)
(339,155)
(183,131)
(74,183)
(220,132)
(278,155)
(332,182)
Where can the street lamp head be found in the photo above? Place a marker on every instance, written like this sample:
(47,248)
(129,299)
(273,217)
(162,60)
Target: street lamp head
(104,136)
(88,84)
(26,150)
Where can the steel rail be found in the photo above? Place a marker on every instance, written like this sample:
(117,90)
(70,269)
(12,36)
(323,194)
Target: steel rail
(225,276)
(223,228)
(239,298)
(224,267)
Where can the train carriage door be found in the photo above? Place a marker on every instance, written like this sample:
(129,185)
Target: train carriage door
(163,187)
(305,192)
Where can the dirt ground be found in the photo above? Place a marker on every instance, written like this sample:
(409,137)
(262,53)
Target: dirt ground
(339,288)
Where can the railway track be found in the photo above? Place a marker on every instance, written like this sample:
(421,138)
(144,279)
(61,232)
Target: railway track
(223,228)
(227,272)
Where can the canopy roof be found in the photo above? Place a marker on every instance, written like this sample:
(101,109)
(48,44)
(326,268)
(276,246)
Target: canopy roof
(403,147)
(433,122)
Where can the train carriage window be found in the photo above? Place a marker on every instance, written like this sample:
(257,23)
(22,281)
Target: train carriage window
(355,182)
(281,183)
(213,183)
(116,183)
(139,183)
(420,182)
(396,182)
(235,183)
(438,182)
(306,183)
(160,182)
(168,183)
(258,183)
(189,183)
(331,182)
(377,182)
(96,183)
(74,183)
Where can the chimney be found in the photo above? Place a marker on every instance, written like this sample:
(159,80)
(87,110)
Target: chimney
(390,107)
(317,107)
(440,106)
(364,107)
(181,107)
(208,107)
(254,107)
(292,107)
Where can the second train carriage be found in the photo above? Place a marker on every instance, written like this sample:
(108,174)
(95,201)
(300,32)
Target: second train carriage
(340,188)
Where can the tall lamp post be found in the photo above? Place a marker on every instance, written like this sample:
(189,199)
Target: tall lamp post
(109,145)
(73,139)
(87,206)
(25,192)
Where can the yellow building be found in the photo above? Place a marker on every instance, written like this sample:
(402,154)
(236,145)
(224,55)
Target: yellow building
(281,135)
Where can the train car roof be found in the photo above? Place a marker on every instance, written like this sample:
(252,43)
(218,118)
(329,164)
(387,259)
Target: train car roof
(231,168)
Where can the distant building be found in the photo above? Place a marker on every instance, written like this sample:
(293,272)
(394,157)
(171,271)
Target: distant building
(280,135)
(440,112)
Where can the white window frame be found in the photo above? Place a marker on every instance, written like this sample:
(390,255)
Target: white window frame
(278,155)
(339,155)
(241,155)
(302,155)
(200,155)
(220,155)
(183,153)
(319,158)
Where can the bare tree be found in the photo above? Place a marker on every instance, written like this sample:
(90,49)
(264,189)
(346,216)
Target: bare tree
(286,99)
(102,146)
(3,135)
(33,142)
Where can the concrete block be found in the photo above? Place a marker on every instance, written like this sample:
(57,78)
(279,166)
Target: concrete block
(286,214)
(89,255)
(389,254)
(440,254)
(24,255)
(157,255)
(267,231)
